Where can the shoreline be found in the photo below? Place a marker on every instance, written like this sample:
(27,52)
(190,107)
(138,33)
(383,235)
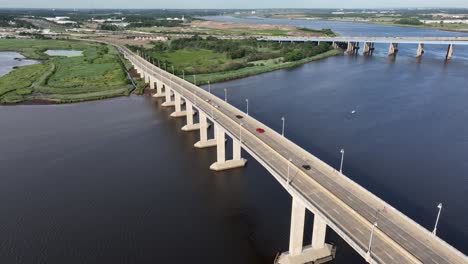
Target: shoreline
(377,23)
(202,79)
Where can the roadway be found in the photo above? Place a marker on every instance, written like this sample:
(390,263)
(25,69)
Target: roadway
(362,39)
(348,208)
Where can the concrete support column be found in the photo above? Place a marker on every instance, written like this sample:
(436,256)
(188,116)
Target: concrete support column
(178,106)
(204,141)
(221,143)
(236,150)
(318,232)
(392,49)
(318,252)
(334,45)
(190,125)
(449,52)
(151,81)
(159,92)
(296,235)
(147,78)
(168,102)
(222,163)
(368,48)
(420,50)
(350,48)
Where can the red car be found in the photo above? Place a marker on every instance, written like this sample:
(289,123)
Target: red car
(260,130)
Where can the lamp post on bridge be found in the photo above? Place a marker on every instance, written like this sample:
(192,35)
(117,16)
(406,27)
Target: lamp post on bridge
(434,232)
(342,158)
(284,120)
(247,102)
(225,95)
(194,79)
(173,72)
(209,86)
(183,74)
(369,248)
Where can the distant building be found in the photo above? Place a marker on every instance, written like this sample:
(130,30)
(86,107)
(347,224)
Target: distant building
(176,18)
(60,20)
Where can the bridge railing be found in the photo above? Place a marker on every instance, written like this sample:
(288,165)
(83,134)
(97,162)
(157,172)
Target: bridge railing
(381,203)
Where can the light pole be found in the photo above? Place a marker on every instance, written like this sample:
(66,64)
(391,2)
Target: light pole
(368,254)
(173,70)
(209,87)
(437,220)
(247,102)
(225,95)
(342,158)
(282,131)
(183,74)
(194,79)
(159,64)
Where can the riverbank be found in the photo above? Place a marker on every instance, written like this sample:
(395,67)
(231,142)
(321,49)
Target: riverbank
(463,28)
(97,74)
(268,66)
(203,60)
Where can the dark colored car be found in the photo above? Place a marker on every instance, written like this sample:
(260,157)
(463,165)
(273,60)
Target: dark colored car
(306,167)
(239,116)
(260,130)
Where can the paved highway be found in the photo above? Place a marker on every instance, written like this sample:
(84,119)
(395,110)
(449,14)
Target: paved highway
(402,40)
(348,208)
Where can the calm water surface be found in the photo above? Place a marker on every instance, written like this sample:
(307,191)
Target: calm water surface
(9,60)
(116,181)
(65,53)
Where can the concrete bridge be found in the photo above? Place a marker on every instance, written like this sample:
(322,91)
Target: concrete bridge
(373,228)
(352,44)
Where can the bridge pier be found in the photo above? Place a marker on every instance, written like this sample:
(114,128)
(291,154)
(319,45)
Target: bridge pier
(368,48)
(159,90)
(190,126)
(353,47)
(168,102)
(420,50)
(392,49)
(449,52)
(222,163)
(334,45)
(204,141)
(318,251)
(178,106)
(152,80)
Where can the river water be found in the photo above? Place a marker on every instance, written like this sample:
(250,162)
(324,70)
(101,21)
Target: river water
(9,60)
(116,181)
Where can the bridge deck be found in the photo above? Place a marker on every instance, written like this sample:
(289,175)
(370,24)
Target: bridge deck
(348,208)
(401,40)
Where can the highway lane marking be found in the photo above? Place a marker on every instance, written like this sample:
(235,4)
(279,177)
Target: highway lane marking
(326,178)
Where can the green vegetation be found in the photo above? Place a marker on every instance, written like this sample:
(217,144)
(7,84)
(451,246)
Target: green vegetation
(219,59)
(98,74)
(409,21)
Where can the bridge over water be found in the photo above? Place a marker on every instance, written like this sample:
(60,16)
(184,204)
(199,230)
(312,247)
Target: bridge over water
(373,228)
(352,44)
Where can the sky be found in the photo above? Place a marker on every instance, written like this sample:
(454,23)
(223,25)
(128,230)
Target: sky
(235,4)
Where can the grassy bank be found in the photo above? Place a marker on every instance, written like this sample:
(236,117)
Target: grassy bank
(268,66)
(97,74)
(215,60)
